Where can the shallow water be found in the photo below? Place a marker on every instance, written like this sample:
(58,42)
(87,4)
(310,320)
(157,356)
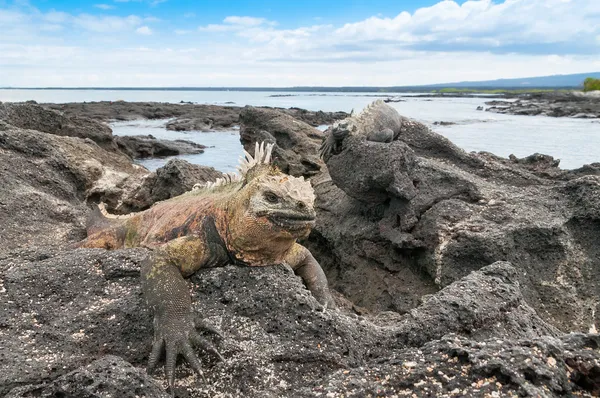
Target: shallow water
(222,152)
(574,141)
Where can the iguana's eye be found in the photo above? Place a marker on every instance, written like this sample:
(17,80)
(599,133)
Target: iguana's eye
(271,197)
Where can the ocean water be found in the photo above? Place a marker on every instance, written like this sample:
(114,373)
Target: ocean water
(574,141)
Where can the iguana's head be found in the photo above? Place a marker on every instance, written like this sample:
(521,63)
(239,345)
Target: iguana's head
(281,204)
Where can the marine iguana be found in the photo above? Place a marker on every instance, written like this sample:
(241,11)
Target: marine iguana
(378,122)
(253,218)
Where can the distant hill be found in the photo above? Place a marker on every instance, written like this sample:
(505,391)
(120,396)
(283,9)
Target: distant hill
(559,81)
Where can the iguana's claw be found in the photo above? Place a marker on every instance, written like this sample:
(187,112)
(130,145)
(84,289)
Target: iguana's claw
(178,339)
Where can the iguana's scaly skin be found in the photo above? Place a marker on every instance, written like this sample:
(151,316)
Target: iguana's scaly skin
(378,122)
(252,219)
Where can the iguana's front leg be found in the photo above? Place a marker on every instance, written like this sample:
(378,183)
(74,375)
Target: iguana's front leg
(168,296)
(305,266)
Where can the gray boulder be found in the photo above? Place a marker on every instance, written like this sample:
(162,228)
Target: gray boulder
(296,142)
(174,178)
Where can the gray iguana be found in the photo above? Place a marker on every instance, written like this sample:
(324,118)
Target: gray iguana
(253,218)
(378,122)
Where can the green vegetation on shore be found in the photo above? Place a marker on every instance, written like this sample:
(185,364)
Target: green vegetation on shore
(591,84)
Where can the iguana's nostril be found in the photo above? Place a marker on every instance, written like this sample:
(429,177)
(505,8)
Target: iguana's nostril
(301,206)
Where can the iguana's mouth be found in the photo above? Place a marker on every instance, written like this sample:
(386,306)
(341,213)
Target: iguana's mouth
(292,220)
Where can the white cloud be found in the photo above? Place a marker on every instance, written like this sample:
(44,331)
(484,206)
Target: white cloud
(236,23)
(106,24)
(244,21)
(478,40)
(144,30)
(104,6)
(484,23)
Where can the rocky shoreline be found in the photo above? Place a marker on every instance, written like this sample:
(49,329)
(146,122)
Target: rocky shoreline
(576,105)
(483,281)
(186,116)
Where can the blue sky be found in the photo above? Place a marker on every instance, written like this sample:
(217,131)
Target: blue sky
(283,43)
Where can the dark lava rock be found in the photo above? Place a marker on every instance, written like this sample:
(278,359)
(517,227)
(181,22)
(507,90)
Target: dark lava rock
(443,123)
(297,143)
(173,179)
(577,105)
(458,367)
(34,117)
(147,146)
(188,117)
(44,180)
(313,118)
(64,309)
(191,125)
(419,213)
(109,376)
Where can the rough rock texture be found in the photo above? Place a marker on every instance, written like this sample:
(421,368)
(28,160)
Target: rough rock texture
(296,142)
(187,116)
(109,376)
(147,146)
(173,179)
(34,117)
(437,213)
(61,310)
(45,178)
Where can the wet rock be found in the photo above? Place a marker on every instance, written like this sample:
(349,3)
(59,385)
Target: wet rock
(34,117)
(443,123)
(109,376)
(147,146)
(191,125)
(297,143)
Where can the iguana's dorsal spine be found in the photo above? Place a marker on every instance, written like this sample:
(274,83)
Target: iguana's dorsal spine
(262,155)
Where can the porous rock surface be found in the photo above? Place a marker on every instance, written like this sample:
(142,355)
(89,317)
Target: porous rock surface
(174,178)
(296,142)
(73,321)
(34,117)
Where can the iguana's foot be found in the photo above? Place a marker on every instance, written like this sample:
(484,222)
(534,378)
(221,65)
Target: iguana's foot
(178,336)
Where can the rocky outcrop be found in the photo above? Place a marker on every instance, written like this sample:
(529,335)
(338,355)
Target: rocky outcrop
(436,213)
(173,179)
(188,116)
(147,146)
(550,104)
(34,117)
(46,178)
(296,142)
